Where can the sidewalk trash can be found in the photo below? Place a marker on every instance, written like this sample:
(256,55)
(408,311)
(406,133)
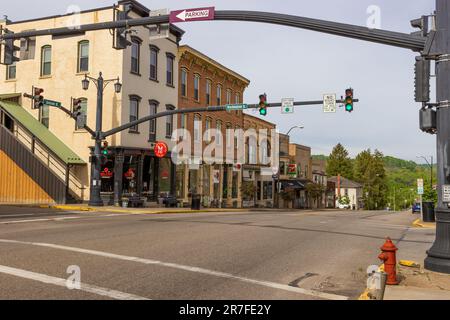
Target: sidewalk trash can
(428,212)
(196,202)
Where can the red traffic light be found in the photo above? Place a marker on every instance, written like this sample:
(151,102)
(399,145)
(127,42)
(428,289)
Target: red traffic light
(263,100)
(38,91)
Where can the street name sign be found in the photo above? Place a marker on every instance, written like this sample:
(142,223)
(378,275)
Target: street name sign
(237,106)
(188,15)
(329,103)
(52,103)
(287,106)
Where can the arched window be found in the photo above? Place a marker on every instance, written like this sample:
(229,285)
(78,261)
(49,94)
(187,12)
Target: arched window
(83,56)
(183,87)
(219,95)
(135,54)
(46,61)
(154,50)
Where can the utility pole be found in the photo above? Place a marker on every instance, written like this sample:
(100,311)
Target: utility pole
(439,255)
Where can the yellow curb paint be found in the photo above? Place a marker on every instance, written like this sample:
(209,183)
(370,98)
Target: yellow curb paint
(364,295)
(408,263)
(428,225)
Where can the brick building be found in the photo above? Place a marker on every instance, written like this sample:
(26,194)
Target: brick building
(205,82)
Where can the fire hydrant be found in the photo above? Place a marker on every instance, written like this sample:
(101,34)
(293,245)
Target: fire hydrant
(390,261)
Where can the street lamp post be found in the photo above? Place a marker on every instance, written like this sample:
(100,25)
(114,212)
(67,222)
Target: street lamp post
(295,127)
(96,183)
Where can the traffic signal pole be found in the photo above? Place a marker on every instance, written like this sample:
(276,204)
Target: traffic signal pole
(439,255)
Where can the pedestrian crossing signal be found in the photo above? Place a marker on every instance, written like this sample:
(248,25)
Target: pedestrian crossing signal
(349,100)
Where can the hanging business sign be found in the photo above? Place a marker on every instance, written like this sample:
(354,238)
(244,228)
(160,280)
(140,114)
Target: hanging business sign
(161,149)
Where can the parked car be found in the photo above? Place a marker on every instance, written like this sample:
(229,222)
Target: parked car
(343,206)
(416,208)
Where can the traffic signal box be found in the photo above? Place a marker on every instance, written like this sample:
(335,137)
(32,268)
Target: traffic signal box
(349,100)
(263,104)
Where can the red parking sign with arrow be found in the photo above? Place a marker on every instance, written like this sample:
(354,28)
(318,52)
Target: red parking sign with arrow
(196,14)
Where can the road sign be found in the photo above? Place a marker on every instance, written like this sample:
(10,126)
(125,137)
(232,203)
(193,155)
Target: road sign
(187,15)
(52,103)
(237,106)
(287,106)
(329,103)
(420,186)
(446,193)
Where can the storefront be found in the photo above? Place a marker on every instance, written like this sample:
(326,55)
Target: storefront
(135,172)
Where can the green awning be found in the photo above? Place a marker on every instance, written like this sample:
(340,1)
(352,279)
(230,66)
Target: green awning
(37,129)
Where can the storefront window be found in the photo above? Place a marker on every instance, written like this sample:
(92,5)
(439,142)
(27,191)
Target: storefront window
(164,175)
(180,182)
(107,175)
(225,183)
(206,181)
(259,190)
(234,191)
(130,174)
(148,178)
(193,181)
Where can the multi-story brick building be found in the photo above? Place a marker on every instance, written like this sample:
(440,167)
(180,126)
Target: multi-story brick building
(256,170)
(205,82)
(148,71)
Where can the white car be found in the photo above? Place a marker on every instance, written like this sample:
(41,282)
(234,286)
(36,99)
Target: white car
(343,206)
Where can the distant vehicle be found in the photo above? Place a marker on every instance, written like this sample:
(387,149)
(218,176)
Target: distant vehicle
(343,206)
(416,208)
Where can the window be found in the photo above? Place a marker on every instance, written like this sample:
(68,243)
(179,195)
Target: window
(169,122)
(235,136)
(208,125)
(44,115)
(219,95)
(219,133)
(27,48)
(197,124)
(83,56)
(134,111)
(228,96)
(229,135)
(135,55)
(153,124)
(169,72)
(46,61)
(11,71)
(196,87)
(184,82)
(84,104)
(237,98)
(154,63)
(208,92)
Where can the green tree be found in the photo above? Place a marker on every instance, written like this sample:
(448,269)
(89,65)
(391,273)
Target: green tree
(339,163)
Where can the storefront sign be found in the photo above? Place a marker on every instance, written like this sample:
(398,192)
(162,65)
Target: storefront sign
(130,174)
(106,174)
(292,170)
(161,149)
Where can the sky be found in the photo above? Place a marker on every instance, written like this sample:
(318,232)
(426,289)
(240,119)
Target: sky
(287,62)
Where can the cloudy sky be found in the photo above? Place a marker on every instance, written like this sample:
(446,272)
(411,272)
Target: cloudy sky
(293,63)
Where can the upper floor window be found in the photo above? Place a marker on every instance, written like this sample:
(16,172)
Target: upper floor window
(169,122)
(84,105)
(237,98)
(134,111)
(184,82)
(196,87)
(153,124)
(83,56)
(219,136)
(135,55)
(208,125)
(219,95)
(154,63)
(46,61)
(170,65)
(228,96)
(11,71)
(208,92)
(197,128)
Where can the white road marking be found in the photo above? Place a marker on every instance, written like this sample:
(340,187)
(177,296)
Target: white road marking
(118,295)
(268,284)
(16,215)
(62,218)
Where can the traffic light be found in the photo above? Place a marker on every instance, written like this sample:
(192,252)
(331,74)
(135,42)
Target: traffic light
(422,80)
(349,100)
(9,55)
(78,113)
(37,98)
(120,41)
(422,24)
(263,104)
(105,153)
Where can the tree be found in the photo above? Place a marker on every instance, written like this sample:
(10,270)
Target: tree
(339,163)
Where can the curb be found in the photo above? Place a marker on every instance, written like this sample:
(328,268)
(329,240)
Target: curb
(427,225)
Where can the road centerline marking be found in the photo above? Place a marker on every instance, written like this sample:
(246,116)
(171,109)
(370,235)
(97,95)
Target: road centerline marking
(269,284)
(110,293)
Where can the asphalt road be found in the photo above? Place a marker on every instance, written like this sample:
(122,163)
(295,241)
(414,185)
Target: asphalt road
(298,255)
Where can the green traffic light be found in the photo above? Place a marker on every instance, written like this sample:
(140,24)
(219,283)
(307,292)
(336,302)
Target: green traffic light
(105,152)
(263,111)
(349,107)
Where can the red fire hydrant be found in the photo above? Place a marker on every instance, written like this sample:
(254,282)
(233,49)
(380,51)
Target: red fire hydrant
(390,261)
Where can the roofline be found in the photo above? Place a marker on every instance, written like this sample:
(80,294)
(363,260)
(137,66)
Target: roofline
(259,119)
(300,145)
(186,48)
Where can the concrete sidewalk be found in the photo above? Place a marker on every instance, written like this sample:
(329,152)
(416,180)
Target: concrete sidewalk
(419,284)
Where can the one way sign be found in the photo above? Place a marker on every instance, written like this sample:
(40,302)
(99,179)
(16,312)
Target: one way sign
(197,14)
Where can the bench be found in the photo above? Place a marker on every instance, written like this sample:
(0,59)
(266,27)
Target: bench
(170,202)
(135,202)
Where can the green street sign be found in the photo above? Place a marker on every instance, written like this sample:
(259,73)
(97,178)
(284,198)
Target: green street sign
(237,107)
(52,103)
